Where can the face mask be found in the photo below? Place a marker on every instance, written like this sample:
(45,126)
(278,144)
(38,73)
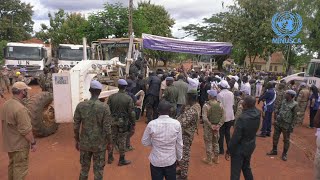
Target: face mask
(25,94)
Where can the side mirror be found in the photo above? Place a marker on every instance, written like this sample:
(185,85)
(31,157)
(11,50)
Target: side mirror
(44,53)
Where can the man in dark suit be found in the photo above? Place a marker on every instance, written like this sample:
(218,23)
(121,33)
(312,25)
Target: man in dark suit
(243,141)
(270,98)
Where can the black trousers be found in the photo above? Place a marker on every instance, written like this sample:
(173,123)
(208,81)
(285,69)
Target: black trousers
(224,133)
(238,163)
(152,103)
(158,173)
(312,115)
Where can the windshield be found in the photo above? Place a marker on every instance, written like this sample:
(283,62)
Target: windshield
(70,54)
(23,53)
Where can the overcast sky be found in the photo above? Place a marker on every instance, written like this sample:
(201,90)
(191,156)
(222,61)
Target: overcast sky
(183,11)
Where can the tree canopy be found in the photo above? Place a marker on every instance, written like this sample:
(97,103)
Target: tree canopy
(15,20)
(64,27)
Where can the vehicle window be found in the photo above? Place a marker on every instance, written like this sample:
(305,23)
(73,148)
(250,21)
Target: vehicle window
(317,71)
(311,68)
(23,53)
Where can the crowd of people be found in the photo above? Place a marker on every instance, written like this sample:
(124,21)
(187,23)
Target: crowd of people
(174,103)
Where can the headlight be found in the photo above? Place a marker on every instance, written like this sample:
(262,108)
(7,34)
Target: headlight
(100,66)
(60,66)
(66,66)
(94,66)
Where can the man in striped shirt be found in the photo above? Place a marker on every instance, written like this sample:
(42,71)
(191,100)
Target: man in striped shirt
(164,135)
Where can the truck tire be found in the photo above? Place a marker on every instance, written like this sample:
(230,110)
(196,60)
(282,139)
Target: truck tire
(41,111)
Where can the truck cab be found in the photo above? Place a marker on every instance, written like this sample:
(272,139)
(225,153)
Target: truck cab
(32,57)
(312,76)
(68,55)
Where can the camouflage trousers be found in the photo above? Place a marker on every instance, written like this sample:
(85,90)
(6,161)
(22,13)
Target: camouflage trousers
(119,139)
(317,160)
(286,137)
(98,164)
(301,112)
(184,163)
(211,140)
(18,164)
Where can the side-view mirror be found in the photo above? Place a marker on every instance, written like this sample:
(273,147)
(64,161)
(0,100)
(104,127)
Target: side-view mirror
(44,52)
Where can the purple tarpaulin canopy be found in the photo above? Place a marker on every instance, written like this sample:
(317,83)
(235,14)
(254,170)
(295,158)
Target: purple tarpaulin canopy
(184,46)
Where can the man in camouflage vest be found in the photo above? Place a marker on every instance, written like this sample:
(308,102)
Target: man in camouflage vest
(121,107)
(302,100)
(188,120)
(285,123)
(212,115)
(171,94)
(94,120)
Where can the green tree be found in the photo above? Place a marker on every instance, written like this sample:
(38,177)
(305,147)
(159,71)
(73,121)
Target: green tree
(68,28)
(3,44)
(15,20)
(112,21)
(247,24)
(154,19)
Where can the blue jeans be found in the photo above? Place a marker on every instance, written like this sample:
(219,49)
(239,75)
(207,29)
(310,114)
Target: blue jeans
(266,124)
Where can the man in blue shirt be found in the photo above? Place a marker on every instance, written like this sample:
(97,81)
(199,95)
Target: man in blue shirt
(269,98)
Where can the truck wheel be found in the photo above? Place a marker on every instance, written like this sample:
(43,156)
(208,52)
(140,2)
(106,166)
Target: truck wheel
(42,114)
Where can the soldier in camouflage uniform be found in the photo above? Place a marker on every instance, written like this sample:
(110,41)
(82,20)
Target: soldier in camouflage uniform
(171,95)
(212,115)
(188,120)
(94,119)
(13,74)
(121,106)
(285,123)
(302,100)
(5,77)
(46,80)
(280,91)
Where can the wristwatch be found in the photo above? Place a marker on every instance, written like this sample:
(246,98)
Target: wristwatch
(34,143)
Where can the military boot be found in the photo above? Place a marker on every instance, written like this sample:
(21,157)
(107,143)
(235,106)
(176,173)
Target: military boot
(284,155)
(273,152)
(123,161)
(110,158)
(216,159)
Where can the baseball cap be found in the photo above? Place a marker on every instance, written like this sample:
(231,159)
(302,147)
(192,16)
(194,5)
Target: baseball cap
(95,85)
(212,93)
(122,82)
(20,86)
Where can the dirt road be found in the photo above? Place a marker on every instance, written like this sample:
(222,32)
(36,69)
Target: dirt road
(57,159)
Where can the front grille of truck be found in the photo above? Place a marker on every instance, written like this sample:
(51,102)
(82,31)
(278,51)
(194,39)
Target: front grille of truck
(28,67)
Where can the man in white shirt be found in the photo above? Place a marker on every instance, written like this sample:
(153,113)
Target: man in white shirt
(226,98)
(193,82)
(236,85)
(245,86)
(164,135)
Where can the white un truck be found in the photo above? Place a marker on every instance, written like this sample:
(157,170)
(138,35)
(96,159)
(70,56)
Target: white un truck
(32,57)
(68,55)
